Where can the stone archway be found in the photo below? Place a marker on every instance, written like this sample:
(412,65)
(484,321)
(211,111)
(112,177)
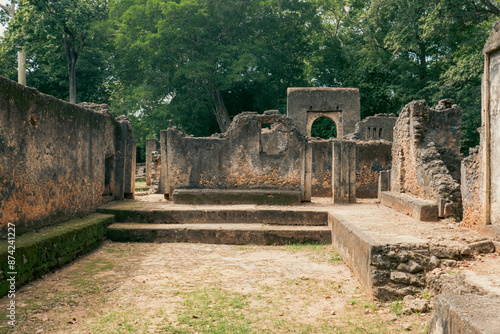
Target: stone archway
(335,116)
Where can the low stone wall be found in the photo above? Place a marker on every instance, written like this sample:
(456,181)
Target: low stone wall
(57,159)
(39,253)
(372,158)
(237,159)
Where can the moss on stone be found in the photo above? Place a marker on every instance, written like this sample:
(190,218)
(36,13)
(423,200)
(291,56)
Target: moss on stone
(38,253)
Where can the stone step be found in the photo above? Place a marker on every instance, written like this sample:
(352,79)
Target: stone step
(219,215)
(237,196)
(235,234)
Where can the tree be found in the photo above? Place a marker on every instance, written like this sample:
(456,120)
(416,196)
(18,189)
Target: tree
(45,26)
(21,55)
(207,55)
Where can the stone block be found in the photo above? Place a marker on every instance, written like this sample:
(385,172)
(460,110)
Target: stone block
(236,196)
(469,314)
(414,207)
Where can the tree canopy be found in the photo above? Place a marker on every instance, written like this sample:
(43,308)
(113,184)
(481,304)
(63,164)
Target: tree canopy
(200,62)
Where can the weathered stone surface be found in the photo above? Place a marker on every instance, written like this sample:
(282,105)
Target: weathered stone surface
(237,196)
(152,145)
(130,211)
(344,171)
(378,127)
(415,305)
(235,234)
(57,159)
(465,314)
(472,188)
(414,207)
(321,178)
(53,247)
(426,154)
(372,157)
(237,159)
(305,105)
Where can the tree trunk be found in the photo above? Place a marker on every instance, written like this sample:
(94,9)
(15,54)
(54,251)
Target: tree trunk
(220,109)
(422,63)
(21,67)
(72,81)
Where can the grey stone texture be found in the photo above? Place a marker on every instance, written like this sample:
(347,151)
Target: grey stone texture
(344,172)
(490,147)
(239,158)
(469,314)
(155,172)
(426,154)
(372,157)
(472,188)
(417,208)
(237,196)
(57,160)
(321,167)
(152,145)
(140,171)
(378,127)
(305,105)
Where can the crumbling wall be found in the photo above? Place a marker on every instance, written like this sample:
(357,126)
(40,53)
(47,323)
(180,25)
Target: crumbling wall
(155,172)
(472,186)
(378,127)
(57,159)
(426,153)
(238,158)
(372,157)
(152,145)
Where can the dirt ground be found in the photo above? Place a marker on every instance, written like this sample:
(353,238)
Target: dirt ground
(200,288)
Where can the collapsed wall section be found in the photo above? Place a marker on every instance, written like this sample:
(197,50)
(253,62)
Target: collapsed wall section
(57,160)
(241,158)
(426,154)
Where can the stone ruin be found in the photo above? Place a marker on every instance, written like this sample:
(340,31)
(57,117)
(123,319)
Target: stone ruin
(273,157)
(426,154)
(59,160)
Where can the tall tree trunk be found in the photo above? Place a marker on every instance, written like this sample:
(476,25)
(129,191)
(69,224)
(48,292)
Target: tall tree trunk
(21,67)
(72,81)
(21,55)
(71,59)
(220,109)
(422,64)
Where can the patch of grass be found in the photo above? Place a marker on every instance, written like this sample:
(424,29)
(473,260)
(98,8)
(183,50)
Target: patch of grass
(320,252)
(139,184)
(212,310)
(397,307)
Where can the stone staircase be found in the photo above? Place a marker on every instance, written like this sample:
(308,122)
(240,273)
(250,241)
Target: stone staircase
(239,225)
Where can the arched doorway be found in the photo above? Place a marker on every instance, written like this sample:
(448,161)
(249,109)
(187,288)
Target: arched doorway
(324,127)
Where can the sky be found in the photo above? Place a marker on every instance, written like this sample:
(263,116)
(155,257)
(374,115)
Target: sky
(2,28)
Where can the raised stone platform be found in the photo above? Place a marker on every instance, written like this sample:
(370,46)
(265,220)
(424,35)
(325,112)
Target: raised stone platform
(390,252)
(237,196)
(417,208)
(471,314)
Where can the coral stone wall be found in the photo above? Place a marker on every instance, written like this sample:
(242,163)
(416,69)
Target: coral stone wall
(372,157)
(426,153)
(472,186)
(241,158)
(57,159)
(378,127)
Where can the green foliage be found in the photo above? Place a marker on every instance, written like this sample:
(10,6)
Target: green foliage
(324,127)
(186,60)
